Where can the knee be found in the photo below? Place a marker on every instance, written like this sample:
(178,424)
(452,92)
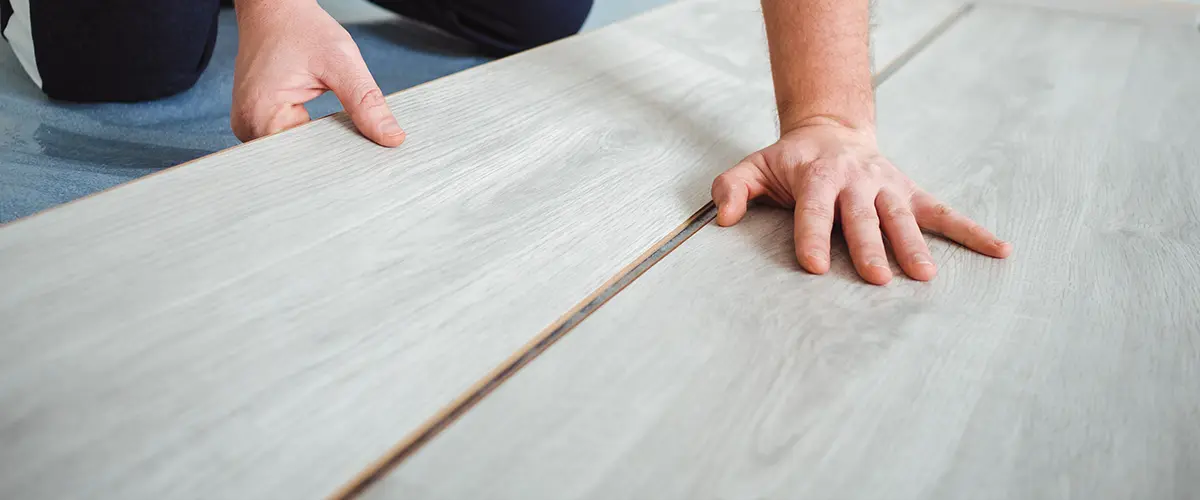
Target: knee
(75,77)
(130,51)
(72,86)
(529,24)
(561,19)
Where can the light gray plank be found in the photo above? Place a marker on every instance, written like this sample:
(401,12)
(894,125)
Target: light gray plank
(268,321)
(1071,370)
(1171,12)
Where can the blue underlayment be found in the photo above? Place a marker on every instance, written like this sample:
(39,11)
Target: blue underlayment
(51,153)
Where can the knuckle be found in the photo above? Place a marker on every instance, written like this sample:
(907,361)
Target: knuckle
(862,213)
(867,250)
(977,231)
(814,239)
(872,169)
(372,97)
(942,209)
(899,212)
(756,158)
(820,168)
(726,180)
(820,175)
(814,209)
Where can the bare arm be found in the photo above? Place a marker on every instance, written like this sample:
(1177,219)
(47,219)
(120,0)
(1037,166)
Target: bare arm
(821,61)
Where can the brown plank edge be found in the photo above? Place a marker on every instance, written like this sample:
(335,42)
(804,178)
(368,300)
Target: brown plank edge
(531,350)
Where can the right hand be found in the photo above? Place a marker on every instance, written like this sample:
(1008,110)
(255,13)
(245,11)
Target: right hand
(290,52)
(828,170)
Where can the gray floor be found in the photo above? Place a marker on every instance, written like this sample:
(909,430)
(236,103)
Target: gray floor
(1066,371)
(270,320)
(52,153)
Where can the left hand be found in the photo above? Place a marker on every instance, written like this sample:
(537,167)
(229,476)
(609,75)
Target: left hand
(828,170)
(290,52)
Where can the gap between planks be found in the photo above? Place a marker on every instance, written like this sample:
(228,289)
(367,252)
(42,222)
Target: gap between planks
(576,315)
(527,353)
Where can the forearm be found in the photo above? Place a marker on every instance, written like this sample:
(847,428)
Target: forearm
(821,61)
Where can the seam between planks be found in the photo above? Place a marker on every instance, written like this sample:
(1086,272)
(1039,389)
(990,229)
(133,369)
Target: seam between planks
(916,48)
(523,356)
(576,315)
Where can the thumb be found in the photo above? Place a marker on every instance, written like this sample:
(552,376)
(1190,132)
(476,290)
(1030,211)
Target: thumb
(733,190)
(360,95)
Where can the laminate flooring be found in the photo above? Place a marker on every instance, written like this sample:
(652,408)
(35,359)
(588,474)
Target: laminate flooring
(1071,370)
(267,321)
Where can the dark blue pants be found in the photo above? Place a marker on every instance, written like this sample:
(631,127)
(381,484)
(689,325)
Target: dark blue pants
(136,50)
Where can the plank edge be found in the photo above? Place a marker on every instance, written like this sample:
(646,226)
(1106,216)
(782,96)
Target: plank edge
(541,342)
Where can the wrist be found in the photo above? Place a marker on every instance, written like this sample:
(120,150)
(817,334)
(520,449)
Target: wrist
(865,130)
(848,103)
(789,123)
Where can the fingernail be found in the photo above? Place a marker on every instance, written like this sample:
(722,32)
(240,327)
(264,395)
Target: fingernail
(877,262)
(391,128)
(922,260)
(816,257)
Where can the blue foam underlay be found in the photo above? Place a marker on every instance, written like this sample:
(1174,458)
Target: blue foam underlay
(52,152)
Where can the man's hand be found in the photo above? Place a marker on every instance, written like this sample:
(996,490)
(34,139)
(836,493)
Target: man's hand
(290,52)
(826,162)
(828,170)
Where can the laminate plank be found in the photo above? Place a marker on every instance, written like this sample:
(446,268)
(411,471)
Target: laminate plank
(268,321)
(1170,12)
(1071,370)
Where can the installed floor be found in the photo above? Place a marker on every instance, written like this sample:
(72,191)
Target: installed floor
(1071,370)
(317,297)
(312,314)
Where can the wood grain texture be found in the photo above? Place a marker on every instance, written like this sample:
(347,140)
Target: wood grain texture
(1071,370)
(1169,12)
(267,321)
